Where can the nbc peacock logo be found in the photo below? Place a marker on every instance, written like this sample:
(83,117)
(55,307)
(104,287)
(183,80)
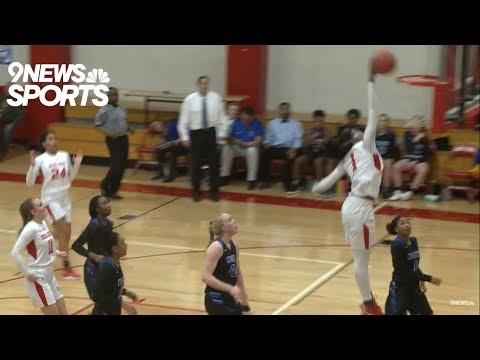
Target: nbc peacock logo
(97,76)
(79,84)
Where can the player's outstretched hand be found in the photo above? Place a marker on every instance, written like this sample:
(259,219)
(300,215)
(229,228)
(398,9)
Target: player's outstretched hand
(78,156)
(33,156)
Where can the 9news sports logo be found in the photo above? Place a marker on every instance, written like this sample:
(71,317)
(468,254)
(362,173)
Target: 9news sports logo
(77,81)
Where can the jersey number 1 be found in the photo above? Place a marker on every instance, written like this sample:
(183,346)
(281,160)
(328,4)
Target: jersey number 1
(50,246)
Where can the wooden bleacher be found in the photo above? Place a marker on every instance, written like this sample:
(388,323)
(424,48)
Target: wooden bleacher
(86,137)
(92,141)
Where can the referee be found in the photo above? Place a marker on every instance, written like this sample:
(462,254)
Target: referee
(111,119)
(201,112)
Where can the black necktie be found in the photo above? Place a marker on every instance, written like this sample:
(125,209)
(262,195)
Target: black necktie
(204,113)
(284,120)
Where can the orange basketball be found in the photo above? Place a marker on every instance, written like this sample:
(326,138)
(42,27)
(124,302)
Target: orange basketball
(383,62)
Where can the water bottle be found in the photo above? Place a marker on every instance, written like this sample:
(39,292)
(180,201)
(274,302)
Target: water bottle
(431,198)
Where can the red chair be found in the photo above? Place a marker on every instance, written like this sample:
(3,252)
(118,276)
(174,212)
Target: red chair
(461,160)
(146,154)
(145,150)
(239,164)
(276,167)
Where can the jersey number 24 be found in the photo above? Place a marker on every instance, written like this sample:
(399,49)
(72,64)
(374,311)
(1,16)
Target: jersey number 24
(57,174)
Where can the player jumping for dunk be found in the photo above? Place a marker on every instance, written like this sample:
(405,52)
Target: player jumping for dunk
(363,165)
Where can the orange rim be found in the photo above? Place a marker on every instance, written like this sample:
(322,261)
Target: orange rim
(427,80)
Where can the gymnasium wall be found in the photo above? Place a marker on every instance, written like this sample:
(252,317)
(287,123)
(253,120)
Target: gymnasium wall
(309,76)
(156,67)
(334,78)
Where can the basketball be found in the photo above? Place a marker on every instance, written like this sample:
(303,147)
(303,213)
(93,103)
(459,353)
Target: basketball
(383,62)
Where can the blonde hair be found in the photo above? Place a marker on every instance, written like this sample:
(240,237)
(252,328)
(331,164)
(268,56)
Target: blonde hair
(417,121)
(216,227)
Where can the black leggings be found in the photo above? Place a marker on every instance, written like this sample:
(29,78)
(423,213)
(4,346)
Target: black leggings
(405,298)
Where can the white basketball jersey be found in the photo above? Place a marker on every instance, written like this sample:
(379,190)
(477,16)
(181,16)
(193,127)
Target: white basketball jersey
(39,242)
(364,169)
(56,172)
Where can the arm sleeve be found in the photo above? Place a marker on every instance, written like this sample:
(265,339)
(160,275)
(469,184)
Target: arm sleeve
(26,236)
(268,134)
(106,286)
(183,121)
(423,277)
(33,173)
(327,182)
(222,115)
(101,117)
(79,245)
(297,142)
(259,129)
(221,128)
(371,129)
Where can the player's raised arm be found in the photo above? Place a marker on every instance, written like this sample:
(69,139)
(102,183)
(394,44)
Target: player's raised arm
(371,129)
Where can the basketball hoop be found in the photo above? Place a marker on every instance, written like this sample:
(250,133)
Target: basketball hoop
(440,97)
(423,80)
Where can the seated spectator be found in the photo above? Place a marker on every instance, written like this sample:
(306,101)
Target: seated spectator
(10,117)
(174,148)
(224,128)
(352,117)
(314,148)
(344,134)
(386,146)
(417,150)
(245,139)
(283,138)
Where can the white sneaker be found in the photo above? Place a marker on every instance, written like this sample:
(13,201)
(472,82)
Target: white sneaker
(407,196)
(292,192)
(397,195)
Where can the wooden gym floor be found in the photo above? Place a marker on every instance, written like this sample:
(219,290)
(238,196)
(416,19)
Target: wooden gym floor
(293,253)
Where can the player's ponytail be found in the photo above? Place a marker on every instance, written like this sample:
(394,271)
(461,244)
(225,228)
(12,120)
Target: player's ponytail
(393,225)
(210,231)
(26,213)
(216,228)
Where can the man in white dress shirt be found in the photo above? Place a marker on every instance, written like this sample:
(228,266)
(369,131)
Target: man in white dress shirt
(201,112)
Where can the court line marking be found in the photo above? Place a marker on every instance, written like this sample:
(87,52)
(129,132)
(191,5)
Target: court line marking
(77,312)
(318,283)
(148,211)
(140,302)
(312,287)
(241,253)
(325,277)
(6,231)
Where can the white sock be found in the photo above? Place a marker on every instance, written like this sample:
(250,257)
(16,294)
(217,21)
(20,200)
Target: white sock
(360,267)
